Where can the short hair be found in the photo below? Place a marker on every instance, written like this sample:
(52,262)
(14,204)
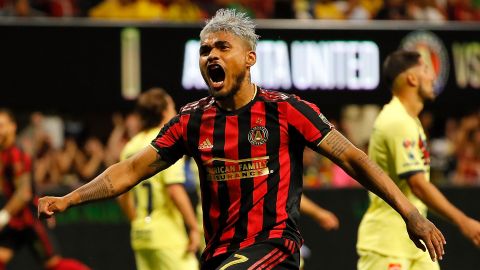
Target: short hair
(232,21)
(9,113)
(150,107)
(397,62)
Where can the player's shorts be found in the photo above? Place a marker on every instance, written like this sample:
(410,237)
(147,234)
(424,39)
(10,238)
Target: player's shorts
(277,254)
(371,260)
(34,237)
(165,259)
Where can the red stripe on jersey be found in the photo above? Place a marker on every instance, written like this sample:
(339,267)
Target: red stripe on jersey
(264,258)
(302,123)
(206,131)
(167,141)
(284,185)
(234,190)
(255,216)
(290,245)
(275,260)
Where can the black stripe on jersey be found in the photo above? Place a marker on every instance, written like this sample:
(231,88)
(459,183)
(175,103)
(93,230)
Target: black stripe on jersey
(193,137)
(273,144)
(295,149)
(246,185)
(311,114)
(175,151)
(218,151)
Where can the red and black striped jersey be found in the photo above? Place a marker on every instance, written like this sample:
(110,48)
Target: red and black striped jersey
(15,163)
(250,164)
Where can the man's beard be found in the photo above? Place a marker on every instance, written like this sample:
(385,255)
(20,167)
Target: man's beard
(233,91)
(426,96)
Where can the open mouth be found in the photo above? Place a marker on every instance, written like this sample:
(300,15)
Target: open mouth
(217,75)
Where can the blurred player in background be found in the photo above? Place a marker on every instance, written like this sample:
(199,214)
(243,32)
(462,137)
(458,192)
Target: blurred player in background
(248,143)
(326,219)
(18,225)
(398,145)
(159,206)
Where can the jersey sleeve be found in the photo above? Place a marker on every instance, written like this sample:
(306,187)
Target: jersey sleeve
(307,119)
(20,162)
(169,143)
(403,143)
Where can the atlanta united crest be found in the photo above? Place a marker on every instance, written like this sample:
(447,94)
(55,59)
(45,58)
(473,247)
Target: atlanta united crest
(258,135)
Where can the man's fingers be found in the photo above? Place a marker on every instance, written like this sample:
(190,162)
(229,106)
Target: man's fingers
(438,245)
(476,240)
(442,237)
(442,241)
(52,207)
(431,249)
(45,209)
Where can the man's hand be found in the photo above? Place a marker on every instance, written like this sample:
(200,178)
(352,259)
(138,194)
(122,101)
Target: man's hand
(193,241)
(420,228)
(48,206)
(327,220)
(471,229)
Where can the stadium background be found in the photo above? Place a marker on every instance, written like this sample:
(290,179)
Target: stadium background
(73,68)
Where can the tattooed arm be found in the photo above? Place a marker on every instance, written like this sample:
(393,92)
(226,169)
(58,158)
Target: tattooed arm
(114,181)
(357,164)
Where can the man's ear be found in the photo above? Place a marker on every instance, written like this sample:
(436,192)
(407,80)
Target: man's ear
(251,58)
(411,79)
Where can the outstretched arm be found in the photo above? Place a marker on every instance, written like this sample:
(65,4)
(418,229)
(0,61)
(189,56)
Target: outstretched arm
(114,181)
(357,164)
(435,200)
(323,217)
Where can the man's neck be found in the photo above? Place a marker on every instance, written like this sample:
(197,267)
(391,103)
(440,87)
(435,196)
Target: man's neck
(411,102)
(243,96)
(8,143)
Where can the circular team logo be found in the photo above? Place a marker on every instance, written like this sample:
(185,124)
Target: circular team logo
(433,53)
(258,135)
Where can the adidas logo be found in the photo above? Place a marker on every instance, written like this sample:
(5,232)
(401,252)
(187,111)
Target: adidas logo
(205,144)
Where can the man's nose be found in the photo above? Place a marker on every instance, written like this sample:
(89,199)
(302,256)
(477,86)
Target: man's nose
(213,55)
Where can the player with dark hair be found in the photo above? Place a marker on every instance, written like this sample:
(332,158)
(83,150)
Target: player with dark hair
(159,207)
(18,225)
(248,143)
(398,145)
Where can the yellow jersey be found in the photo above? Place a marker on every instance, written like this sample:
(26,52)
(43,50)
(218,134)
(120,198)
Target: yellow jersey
(158,223)
(398,146)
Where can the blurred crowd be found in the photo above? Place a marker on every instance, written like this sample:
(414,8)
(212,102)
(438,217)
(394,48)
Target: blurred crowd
(67,155)
(198,10)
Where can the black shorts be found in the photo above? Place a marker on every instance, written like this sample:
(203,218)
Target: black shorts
(34,237)
(276,254)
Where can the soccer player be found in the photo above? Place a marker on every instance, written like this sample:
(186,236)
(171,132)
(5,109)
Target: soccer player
(398,145)
(248,144)
(159,206)
(18,225)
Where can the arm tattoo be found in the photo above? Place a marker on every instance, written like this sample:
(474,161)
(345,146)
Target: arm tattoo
(370,164)
(159,164)
(337,143)
(97,189)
